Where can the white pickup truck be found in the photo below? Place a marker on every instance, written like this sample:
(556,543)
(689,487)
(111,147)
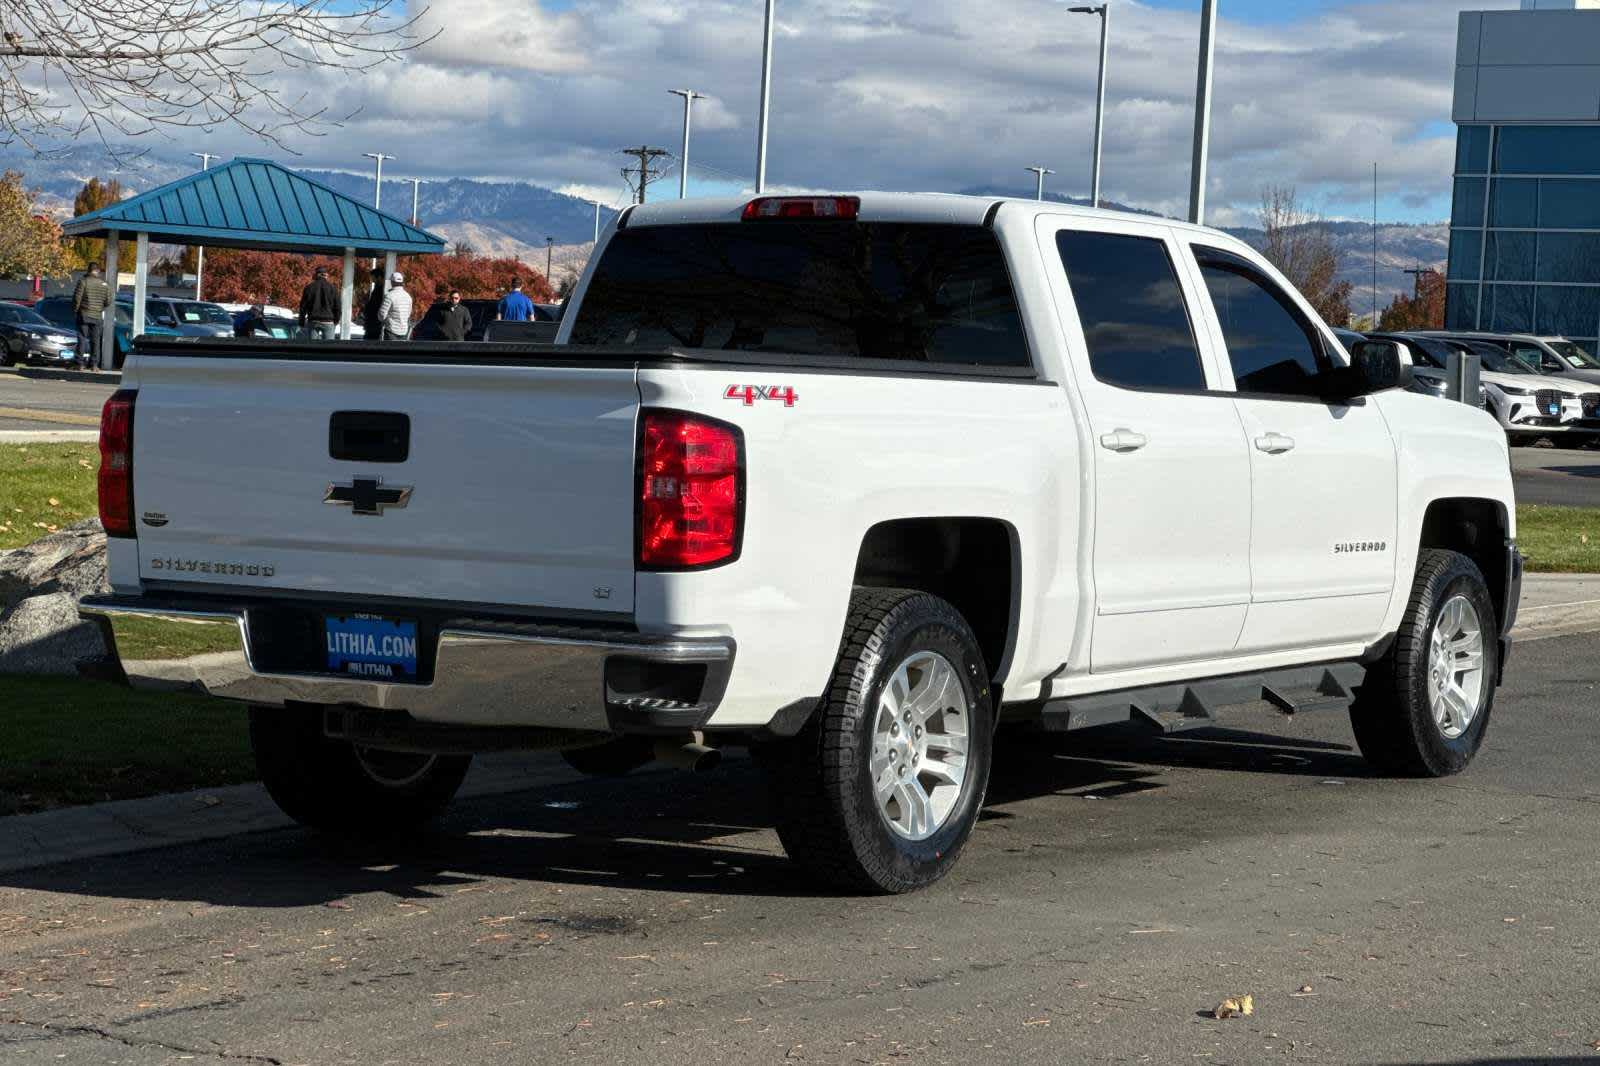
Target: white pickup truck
(848,480)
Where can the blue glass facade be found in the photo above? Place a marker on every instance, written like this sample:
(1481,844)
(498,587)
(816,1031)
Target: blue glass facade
(1525,231)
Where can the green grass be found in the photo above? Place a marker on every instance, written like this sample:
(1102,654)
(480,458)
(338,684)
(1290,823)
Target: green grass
(64,741)
(1560,540)
(44,487)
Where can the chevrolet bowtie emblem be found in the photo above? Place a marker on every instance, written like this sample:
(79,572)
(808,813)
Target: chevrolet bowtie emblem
(368,495)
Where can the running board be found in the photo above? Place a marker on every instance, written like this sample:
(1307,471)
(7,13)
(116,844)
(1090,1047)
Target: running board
(1193,705)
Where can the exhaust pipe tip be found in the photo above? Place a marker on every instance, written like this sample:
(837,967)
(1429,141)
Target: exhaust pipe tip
(693,755)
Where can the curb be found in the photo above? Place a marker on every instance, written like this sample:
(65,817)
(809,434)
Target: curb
(49,436)
(103,377)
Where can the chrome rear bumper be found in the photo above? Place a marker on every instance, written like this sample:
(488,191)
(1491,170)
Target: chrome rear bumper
(483,673)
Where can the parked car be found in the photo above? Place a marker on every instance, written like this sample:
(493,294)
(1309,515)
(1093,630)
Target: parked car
(1431,360)
(278,327)
(271,309)
(482,312)
(1554,357)
(1423,379)
(190,318)
(1052,465)
(57,310)
(28,337)
(1531,406)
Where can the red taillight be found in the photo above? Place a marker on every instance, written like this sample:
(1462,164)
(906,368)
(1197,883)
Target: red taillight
(116,464)
(841,208)
(691,491)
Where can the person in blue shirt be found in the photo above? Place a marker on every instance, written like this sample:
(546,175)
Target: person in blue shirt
(514,306)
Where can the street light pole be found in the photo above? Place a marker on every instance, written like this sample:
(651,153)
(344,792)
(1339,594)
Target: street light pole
(597,223)
(1104,11)
(377,193)
(416,186)
(766,101)
(549,257)
(200,251)
(689,97)
(1040,172)
(1202,114)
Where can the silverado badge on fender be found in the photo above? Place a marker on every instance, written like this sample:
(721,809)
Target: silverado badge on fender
(367,495)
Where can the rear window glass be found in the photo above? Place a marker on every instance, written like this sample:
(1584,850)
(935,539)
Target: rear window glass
(904,291)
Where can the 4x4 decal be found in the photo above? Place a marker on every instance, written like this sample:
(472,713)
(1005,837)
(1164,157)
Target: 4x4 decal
(751,393)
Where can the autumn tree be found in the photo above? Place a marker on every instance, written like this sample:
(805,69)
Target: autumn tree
(120,69)
(1423,309)
(1299,245)
(81,251)
(30,243)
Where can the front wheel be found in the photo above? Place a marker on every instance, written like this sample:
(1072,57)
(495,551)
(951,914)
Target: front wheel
(882,788)
(342,787)
(1424,708)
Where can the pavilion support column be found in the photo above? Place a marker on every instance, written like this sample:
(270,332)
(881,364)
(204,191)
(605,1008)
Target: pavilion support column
(108,318)
(141,280)
(388,268)
(347,293)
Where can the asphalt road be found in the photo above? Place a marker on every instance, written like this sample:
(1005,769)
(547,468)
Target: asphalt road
(1119,887)
(42,404)
(1567,477)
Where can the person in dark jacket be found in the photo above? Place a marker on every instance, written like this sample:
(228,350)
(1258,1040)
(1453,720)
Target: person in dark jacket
(456,321)
(371,320)
(89,301)
(319,307)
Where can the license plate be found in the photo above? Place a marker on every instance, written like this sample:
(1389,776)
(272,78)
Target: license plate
(1555,408)
(68,353)
(365,645)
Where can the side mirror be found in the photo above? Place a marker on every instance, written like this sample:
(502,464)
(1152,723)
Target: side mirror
(1380,365)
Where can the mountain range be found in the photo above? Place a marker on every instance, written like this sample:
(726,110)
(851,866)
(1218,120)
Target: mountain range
(513,218)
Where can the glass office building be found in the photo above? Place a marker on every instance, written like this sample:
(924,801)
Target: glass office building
(1525,221)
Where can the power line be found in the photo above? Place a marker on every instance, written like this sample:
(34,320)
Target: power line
(645,171)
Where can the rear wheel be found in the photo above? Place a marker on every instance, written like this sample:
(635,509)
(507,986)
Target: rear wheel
(882,788)
(343,787)
(1424,709)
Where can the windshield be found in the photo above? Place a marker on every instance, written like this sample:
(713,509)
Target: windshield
(190,311)
(1498,361)
(27,316)
(876,290)
(1576,356)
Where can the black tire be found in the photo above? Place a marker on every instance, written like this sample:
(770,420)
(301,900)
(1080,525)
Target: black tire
(327,784)
(614,758)
(823,795)
(1391,714)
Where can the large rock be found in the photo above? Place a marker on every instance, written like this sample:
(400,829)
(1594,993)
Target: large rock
(40,586)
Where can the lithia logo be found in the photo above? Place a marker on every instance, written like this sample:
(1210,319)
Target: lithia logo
(213,566)
(1349,547)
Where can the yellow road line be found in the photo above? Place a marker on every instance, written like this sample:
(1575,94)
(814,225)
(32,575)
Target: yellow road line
(29,415)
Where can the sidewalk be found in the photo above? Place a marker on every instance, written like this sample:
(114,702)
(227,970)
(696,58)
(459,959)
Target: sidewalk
(49,436)
(1553,605)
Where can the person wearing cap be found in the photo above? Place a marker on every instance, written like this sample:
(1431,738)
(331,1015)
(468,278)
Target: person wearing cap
(514,306)
(395,311)
(319,307)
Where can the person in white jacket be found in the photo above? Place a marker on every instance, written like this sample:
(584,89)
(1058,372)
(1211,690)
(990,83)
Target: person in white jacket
(395,312)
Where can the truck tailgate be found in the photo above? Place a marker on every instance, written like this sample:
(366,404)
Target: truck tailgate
(520,479)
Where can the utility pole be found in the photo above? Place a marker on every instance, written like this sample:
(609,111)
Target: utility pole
(1040,172)
(1374,245)
(689,97)
(766,101)
(549,258)
(646,156)
(1202,114)
(1104,11)
(597,223)
(200,251)
(416,185)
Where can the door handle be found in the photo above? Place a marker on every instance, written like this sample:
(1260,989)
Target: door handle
(1274,444)
(1123,440)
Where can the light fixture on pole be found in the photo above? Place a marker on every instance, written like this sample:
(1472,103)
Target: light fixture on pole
(1202,113)
(766,100)
(377,193)
(1040,172)
(689,97)
(1104,11)
(416,185)
(200,250)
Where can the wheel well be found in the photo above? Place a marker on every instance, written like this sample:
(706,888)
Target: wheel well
(1476,529)
(970,562)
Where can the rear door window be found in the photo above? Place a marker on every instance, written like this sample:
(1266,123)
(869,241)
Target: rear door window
(910,292)
(1130,304)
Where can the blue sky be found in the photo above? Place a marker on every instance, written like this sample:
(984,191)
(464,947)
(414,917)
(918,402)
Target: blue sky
(931,94)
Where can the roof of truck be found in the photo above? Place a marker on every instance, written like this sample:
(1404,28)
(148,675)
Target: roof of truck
(950,208)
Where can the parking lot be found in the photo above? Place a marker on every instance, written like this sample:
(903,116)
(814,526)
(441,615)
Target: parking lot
(42,404)
(1118,888)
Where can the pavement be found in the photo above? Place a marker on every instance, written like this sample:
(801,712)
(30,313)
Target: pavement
(53,404)
(1119,887)
(1557,477)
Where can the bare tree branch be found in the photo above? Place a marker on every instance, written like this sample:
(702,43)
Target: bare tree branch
(120,69)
